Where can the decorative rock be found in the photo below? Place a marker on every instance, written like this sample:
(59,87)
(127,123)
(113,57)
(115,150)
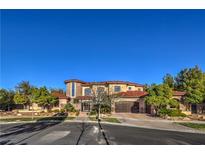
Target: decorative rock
(35,113)
(19,114)
(187,119)
(168,118)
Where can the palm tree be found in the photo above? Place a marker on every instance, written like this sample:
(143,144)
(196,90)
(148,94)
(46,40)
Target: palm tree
(24,88)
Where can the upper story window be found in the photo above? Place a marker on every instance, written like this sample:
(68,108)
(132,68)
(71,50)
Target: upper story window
(117,89)
(129,88)
(73,89)
(87,91)
(100,89)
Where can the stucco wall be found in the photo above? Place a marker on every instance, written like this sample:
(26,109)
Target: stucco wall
(62,103)
(68,87)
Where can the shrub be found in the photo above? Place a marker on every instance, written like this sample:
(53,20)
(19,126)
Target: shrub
(69,108)
(56,110)
(77,113)
(171,113)
(62,110)
(163,112)
(93,112)
(105,109)
(177,113)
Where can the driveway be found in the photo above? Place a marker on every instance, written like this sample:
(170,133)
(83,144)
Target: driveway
(146,121)
(86,133)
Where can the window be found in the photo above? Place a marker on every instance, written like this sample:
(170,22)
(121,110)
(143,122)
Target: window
(100,89)
(73,89)
(87,91)
(117,89)
(139,89)
(129,88)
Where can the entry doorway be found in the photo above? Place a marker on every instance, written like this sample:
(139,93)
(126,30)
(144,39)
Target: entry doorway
(85,106)
(193,108)
(135,107)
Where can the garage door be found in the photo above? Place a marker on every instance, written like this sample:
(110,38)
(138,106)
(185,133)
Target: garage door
(130,107)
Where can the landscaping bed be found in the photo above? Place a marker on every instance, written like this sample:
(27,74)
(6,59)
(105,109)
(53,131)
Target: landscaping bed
(37,119)
(105,119)
(193,125)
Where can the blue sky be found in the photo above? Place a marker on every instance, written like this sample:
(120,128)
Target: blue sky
(48,46)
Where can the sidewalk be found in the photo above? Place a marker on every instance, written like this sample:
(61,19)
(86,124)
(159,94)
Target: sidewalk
(143,121)
(82,117)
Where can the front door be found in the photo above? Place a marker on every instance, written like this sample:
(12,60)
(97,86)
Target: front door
(193,108)
(135,107)
(85,106)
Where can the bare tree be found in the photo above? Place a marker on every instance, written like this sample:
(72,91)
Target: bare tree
(101,97)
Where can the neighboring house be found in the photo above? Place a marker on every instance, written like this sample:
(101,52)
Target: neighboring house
(131,95)
(63,99)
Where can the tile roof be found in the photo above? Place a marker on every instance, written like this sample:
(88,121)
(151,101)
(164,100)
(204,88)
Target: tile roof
(104,82)
(133,94)
(74,80)
(178,93)
(84,97)
(144,93)
(59,95)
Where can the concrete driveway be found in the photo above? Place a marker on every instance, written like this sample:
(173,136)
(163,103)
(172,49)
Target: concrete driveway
(146,121)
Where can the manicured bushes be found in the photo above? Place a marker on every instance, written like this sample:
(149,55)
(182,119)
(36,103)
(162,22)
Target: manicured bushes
(70,108)
(104,109)
(171,112)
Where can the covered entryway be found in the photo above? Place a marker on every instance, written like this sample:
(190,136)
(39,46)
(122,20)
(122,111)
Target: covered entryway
(193,108)
(127,107)
(85,106)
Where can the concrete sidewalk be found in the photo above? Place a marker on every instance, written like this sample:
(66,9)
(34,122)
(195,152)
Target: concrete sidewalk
(144,121)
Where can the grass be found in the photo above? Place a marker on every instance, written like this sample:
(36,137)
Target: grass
(36,119)
(194,125)
(113,120)
(110,119)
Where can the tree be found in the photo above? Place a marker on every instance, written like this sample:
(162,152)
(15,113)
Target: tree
(21,99)
(6,99)
(192,81)
(160,96)
(169,80)
(44,98)
(23,94)
(24,87)
(59,90)
(100,98)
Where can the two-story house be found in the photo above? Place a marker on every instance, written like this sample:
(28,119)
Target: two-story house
(81,90)
(131,95)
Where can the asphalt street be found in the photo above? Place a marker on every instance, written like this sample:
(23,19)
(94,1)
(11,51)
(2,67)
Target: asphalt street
(83,133)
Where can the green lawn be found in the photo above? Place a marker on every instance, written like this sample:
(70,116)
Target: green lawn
(194,125)
(110,119)
(113,120)
(35,119)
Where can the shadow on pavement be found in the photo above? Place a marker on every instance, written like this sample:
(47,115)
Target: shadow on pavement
(40,124)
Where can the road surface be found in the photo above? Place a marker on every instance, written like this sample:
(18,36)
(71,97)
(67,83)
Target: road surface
(74,133)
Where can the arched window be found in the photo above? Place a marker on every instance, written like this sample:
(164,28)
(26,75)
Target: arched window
(87,91)
(100,89)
